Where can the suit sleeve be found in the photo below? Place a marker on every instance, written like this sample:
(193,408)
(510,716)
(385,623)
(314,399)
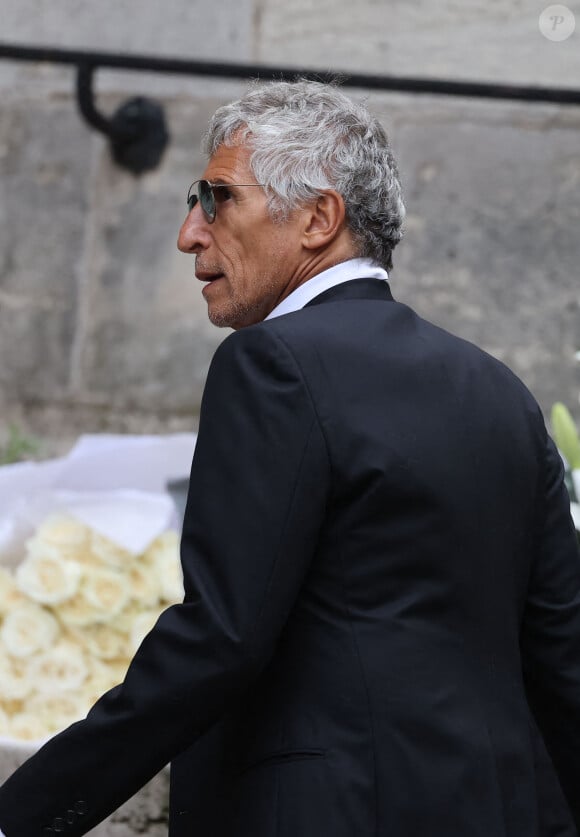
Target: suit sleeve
(258,489)
(551,631)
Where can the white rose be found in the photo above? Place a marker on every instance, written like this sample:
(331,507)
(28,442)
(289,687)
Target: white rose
(102,641)
(13,707)
(10,595)
(14,681)
(48,579)
(77,612)
(66,535)
(171,577)
(163,554)
(107,591)
(28,628)
(60,669)
(118,669)
(142,625)
(124,621)
(165,542)
(144,584)
(27,727)
(36,548)
(57,711)
(110,553)
(102,677)
(3,722)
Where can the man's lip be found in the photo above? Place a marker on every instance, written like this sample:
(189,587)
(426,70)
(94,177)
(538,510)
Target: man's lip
(203,276)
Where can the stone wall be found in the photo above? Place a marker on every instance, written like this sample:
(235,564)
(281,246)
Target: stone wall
(102,325)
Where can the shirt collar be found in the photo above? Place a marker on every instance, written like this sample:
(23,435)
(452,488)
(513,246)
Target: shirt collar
(343,272)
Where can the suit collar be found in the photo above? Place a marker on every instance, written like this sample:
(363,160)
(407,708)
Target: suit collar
(355,289)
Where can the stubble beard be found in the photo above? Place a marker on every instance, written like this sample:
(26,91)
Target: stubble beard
(238,312)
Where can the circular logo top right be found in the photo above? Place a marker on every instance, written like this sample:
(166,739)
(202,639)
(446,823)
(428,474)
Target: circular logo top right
(557,23)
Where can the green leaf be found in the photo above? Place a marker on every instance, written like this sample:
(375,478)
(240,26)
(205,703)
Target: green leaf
(18,446)
(565,434)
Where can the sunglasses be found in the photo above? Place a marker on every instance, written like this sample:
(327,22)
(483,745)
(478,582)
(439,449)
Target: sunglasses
(209,195)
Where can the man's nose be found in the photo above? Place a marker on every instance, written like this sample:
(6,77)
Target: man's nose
(194,234)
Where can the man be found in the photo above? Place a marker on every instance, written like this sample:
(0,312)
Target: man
(382,578)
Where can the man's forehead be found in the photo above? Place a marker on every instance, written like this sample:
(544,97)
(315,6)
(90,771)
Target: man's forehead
(230,162)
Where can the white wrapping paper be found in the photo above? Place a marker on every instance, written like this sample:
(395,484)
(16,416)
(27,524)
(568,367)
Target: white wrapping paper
(115,484)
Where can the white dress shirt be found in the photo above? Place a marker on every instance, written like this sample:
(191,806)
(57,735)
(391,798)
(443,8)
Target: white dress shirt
(343,272)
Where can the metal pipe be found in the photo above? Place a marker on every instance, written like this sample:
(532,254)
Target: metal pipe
(400,84)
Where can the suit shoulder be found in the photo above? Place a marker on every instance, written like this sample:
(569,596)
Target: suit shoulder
(395,332)
(254,351)
(476,355)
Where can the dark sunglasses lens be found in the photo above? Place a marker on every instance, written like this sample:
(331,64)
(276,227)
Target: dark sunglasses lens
(207,199)
(203,195)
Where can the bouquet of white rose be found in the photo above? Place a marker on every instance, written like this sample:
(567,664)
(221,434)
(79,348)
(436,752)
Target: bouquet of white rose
(88,560)
(72,614)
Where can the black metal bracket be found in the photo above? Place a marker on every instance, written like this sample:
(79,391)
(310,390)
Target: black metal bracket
(137,130)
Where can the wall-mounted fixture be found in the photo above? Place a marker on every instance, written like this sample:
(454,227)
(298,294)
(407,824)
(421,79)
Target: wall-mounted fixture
(137,131)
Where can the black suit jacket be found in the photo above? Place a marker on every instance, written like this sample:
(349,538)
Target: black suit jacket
(382,603)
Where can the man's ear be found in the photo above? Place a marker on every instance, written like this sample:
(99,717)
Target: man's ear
(325,220)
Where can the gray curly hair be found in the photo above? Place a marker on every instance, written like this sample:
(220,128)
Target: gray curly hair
(307,137)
